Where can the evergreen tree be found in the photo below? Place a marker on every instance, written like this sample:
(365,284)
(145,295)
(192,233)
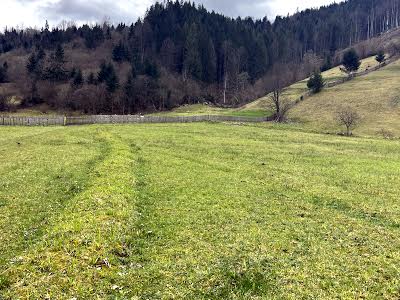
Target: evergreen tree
(316,82)
(209,61)
(327,64)
(104,72)
(91,79)
(72,73)
(380,57)
(3,74)
(129,94)
(32,63)
(258,59)
(59,55)
(34,66)
(56,71)
(133,72)
(78,79)
(119,53)
(351,61)
(191,56)
(151,69)
(108,33)
(41,54)
(94,37)
(112,82)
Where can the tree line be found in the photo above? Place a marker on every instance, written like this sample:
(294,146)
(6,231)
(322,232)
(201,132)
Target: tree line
(181,53)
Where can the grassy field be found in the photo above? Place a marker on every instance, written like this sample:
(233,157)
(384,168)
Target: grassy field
(376,97)
(203,109)
(295,91)
(197,211)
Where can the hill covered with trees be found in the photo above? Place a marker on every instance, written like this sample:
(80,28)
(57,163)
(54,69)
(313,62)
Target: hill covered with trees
(180,53)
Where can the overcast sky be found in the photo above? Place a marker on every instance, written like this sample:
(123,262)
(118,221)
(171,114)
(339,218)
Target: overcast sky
(33,12)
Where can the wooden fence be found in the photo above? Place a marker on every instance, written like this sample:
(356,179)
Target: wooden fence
(121,119)
(130,119)
(358,74)
(32,121)
(345,79)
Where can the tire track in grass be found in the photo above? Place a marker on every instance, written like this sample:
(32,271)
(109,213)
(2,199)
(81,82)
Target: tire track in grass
(27,213)
(153,270)
(84,254)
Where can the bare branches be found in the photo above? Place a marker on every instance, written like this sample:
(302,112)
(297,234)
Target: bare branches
(349,118)
(279,105)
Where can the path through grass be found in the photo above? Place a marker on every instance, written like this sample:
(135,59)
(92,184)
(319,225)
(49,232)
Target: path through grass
(204,211)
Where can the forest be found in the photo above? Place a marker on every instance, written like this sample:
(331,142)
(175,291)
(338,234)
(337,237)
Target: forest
(179,53)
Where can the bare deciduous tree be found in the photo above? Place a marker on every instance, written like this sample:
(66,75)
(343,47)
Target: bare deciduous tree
(349,118)
(278,103)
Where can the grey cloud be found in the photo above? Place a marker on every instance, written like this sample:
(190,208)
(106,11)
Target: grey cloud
(96,10)
(235,8)
(129,10)
(86,11)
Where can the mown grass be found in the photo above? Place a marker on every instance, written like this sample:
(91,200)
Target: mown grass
(204,109)
(197,211)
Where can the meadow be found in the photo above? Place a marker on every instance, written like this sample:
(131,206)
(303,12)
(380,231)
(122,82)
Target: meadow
(197,211)
(375,97)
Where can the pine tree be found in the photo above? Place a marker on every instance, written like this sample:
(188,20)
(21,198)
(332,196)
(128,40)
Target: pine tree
(191,56)
(59,55)
(103,73)
(129,94)
(133,72)
(119,53)
(151,69)
(380,57)
(209,61)
(258,59)
(78,79)
(3,74)
(91,79)
(112,82)
(351,61)
(41,54)
(32,64)
(316,82)
(94,37)
(72,73)
(108,33)
(55,71)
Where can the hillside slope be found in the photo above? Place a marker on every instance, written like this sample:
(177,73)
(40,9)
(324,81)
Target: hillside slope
(376,97)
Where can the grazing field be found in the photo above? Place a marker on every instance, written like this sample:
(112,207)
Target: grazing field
(376,97)
(197,211)
(204,109)
(296,90)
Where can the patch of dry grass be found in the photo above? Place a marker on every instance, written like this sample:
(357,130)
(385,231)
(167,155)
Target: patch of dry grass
(374,96)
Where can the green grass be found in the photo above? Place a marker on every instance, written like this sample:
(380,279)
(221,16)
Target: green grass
(203,109)
(197,211)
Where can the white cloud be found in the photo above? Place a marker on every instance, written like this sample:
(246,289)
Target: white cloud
(24,13)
